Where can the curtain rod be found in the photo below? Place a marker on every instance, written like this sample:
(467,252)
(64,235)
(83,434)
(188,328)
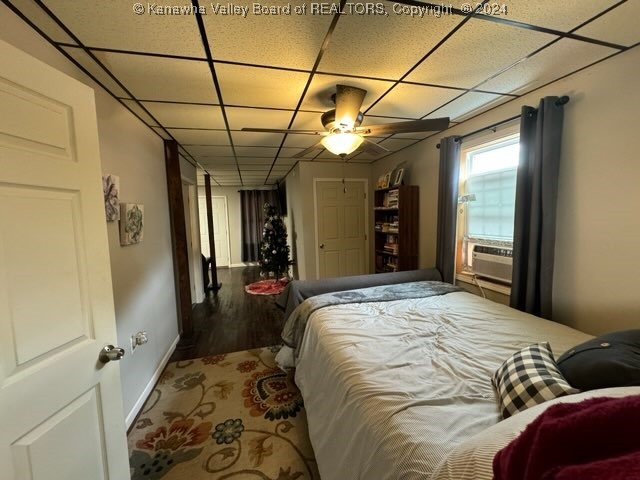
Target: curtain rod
(561,101)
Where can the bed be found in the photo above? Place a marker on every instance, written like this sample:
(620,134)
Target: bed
(395,383)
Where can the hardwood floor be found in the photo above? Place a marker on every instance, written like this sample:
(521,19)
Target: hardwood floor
(231,320)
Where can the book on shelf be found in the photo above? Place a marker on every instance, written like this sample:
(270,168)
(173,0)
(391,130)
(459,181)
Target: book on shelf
(391,199)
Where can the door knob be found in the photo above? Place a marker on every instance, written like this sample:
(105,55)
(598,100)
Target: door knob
(322,245)
(109,353)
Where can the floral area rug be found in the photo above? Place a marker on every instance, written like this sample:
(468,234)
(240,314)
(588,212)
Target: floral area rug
(226,416)
(267,287)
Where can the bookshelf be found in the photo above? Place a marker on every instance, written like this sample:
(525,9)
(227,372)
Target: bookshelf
(396,228)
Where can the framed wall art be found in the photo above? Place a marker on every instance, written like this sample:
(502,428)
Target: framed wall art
(398,177)
(111,192)
(131,223)
(386,180)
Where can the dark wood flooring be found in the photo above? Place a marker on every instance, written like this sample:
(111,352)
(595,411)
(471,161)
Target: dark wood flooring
(230,319)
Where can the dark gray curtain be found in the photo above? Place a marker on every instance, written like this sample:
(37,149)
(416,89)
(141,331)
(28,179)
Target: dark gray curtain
(535,211)
(252,215)
(447,206)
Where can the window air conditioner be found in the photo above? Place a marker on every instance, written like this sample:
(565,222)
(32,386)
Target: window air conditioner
(493,262)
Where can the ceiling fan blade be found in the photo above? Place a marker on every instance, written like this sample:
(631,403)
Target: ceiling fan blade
(317,146)
(427,125)
(372,148)
(283,130)
(348,103)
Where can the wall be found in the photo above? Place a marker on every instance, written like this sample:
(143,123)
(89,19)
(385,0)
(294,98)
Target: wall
(598,232)
(301,207)
(144,291)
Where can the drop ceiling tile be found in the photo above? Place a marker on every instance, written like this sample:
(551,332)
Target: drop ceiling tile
(219,162)
(383,46)
(186,116)
(257,118)
(256,181)
(222,169)
(301,140)
(289,162)
(257,139)
(395,144)
(281,40)
(114,25)
(414,135)
(318,96)
(477,51)
(215,151)
(260,87)
(248,173)
(247,161)
(42,20)
(133,105)
(308,121)
(253,183)
(268,152)
(289,152)
(620,25)
(411,101)
(311,155)
(97,71)
(200,137)
(561,58)
(157,78)
(468,105)
(563,16)
(220,173)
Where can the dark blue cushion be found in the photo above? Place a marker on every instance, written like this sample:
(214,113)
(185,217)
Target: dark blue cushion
(610,360)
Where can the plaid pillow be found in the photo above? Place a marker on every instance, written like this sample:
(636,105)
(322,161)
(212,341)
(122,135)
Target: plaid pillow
(527,378)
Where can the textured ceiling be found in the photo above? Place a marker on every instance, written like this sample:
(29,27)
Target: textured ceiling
(199,78)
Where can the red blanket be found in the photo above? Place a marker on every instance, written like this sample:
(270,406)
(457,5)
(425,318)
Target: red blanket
(598,439)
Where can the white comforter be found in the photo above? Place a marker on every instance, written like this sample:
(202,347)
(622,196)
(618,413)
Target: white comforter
(391,387)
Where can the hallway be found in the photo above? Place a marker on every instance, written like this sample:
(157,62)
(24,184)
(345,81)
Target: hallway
(231,320)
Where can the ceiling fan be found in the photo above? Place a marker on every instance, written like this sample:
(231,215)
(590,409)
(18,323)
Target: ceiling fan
(344,135)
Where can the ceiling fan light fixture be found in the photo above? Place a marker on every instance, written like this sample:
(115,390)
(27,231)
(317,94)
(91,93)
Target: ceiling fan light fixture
(342,143)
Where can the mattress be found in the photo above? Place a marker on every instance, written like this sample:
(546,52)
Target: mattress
(390,388)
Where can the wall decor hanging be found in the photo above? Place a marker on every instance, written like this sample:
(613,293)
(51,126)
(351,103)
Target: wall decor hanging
(131,223)
(111,191)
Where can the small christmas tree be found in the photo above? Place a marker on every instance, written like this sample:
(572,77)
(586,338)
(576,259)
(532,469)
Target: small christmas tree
(274,251)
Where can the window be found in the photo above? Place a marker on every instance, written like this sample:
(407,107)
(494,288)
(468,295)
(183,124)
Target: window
(487,196)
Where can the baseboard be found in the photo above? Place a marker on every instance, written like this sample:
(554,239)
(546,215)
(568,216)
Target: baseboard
(152,383)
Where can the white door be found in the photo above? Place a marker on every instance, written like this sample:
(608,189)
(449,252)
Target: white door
(61,414)
(220,229)
(341,228)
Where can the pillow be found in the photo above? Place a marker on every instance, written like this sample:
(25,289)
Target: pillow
(527,378)
(610,360)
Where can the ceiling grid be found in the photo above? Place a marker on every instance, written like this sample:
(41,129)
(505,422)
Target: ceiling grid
(201,78)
